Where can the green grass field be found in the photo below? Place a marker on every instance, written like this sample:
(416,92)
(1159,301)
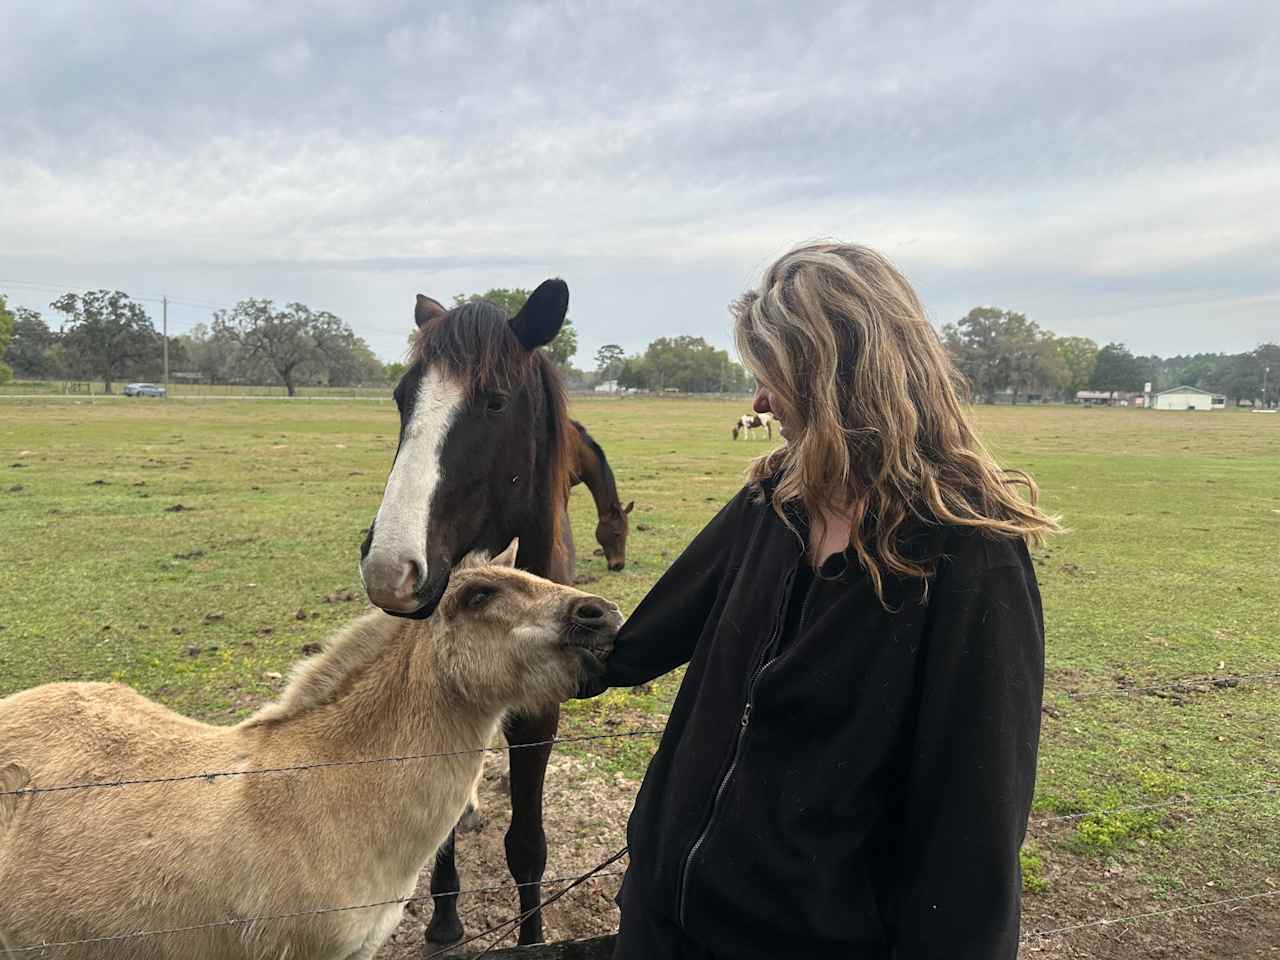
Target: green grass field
(191,549)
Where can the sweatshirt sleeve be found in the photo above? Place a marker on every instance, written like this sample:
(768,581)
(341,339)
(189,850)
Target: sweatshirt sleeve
(972,769)
(662,632)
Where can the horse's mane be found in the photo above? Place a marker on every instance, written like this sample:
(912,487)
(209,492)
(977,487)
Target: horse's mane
(475,343)
(598,451)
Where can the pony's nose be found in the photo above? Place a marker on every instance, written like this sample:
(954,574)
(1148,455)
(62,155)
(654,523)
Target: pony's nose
(392,582)
(617,565)
(592,613)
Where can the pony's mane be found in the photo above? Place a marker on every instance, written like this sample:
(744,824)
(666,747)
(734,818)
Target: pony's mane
(475,343)
(325,677)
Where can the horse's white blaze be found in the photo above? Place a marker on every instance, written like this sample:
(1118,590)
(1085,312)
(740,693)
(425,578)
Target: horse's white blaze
(400,528)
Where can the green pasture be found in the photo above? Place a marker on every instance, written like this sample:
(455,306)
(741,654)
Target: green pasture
(191,549)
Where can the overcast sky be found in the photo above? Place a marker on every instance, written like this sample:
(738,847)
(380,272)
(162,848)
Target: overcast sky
(1112,170)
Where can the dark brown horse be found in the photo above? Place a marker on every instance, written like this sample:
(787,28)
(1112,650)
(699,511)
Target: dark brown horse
(590,466)
(484,456)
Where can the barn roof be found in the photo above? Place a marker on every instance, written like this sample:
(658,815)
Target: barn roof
(1204,393)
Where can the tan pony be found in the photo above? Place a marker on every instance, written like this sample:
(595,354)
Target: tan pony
(109,861)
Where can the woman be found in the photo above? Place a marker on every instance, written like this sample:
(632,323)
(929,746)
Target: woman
(849,764)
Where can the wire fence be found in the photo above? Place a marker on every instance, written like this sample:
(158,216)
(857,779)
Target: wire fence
(497,932)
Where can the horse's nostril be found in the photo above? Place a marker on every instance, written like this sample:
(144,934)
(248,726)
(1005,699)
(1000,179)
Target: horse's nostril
(412,577)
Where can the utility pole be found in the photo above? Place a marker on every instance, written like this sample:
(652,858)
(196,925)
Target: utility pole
(1266,372)
(165,321)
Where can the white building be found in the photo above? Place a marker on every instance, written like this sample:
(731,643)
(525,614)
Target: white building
(1189,398)
(607,386)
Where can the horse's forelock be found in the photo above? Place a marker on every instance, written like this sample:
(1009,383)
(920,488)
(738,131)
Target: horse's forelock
(476,346)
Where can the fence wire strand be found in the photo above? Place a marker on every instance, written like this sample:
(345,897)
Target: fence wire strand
(212,776)
(504,928)
(1177,802)
(1035,935)
(575,881)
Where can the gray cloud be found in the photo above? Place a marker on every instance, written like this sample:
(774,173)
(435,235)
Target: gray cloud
(1112,173)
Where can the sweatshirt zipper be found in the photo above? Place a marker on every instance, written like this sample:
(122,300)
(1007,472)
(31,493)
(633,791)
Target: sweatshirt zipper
(766,660)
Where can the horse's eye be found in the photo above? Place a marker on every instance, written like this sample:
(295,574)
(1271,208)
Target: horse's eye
(496,403)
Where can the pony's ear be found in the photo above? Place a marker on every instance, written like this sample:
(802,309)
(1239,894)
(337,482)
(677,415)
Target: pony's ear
(629,507)
(507,558)
(427,309)
(542,315)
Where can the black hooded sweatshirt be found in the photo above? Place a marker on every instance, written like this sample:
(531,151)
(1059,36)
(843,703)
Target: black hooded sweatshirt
(835,778)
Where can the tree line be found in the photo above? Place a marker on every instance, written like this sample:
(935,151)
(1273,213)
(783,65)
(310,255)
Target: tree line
(104,335)
(1003,353)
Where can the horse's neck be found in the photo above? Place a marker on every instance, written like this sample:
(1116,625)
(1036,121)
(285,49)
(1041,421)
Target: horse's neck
(599,481)
(380,821)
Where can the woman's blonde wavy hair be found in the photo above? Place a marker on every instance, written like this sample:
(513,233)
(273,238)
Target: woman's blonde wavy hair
(876,425)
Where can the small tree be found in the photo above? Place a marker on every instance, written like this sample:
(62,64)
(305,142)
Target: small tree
(1079,355)
(33,348)
(280,338)
(106,333)
(6,332)
(636,374)
(1117,369)
(609,360)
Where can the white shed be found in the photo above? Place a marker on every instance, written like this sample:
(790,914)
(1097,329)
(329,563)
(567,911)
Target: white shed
(1189,398)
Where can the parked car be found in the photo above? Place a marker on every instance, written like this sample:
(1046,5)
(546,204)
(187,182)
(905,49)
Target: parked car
(143,390)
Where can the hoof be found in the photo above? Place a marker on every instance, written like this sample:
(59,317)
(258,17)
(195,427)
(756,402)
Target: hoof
(441,936)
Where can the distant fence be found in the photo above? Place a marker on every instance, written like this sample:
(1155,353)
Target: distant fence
(180,390)
(185,390)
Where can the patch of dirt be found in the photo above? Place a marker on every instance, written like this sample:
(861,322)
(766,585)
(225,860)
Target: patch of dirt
(1248,930)
(178,508)
(585,822)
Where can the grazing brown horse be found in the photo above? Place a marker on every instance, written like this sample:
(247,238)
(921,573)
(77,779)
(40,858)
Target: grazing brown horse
(484,456)
(590,466)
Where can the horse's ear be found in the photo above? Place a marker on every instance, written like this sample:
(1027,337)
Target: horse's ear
(542,315)
(427,309)
(507,558)
(629,507)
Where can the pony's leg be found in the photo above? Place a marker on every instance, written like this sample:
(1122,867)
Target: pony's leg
(526,842)
(445,927)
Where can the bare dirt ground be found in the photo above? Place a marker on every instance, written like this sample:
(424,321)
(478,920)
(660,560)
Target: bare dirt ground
(586,822)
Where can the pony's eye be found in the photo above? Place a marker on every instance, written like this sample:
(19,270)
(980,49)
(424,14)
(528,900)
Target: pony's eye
(496,403)
(477,597)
